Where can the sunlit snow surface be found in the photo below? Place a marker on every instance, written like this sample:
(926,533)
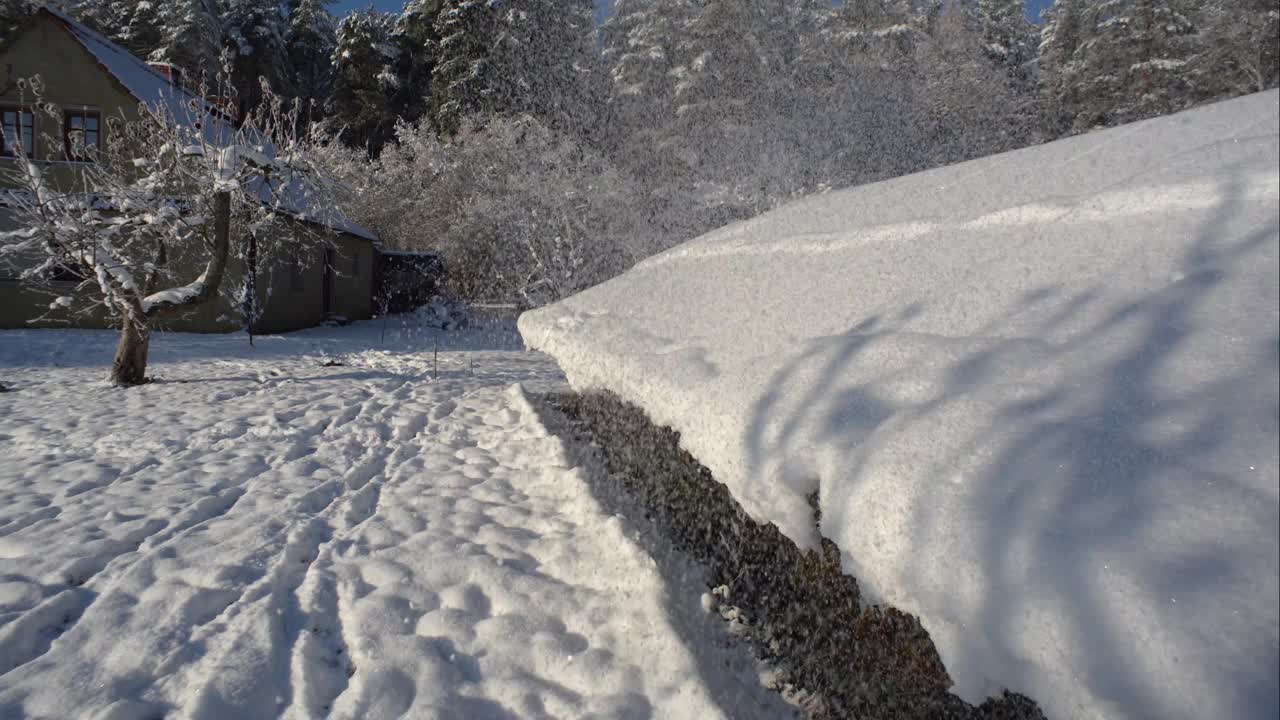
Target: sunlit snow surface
(315,527)
(1037,391)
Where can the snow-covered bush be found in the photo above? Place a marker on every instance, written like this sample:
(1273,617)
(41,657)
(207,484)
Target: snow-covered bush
(164,195)
(519,213)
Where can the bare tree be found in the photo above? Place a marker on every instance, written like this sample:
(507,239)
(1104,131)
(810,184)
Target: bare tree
(165,195)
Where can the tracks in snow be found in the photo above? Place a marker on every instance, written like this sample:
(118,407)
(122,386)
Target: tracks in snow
(362,436)
(294,609)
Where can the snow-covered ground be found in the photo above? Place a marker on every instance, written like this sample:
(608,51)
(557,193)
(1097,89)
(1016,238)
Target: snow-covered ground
(1037,392)
(317,527)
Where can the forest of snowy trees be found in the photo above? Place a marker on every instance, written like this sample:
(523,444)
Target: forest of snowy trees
(542,153)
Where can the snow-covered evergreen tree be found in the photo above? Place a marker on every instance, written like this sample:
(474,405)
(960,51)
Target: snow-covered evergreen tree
(714,104)
(12,14)
(1155,40)
(886,31)
(254,37)
(141,26)
(735,92)
(359,108)
(501,59)
(310,42)
(639,54)
(638,50)
(970,106)
(191,38)
(864,68)
(417,46)
(638,46)
(545,64)
(1114,61)
(1008,38)
(462,83)
(1061,36)
(722,81)
(1240,49)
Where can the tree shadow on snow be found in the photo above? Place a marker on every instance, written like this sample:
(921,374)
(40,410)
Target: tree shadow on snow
(1073,462)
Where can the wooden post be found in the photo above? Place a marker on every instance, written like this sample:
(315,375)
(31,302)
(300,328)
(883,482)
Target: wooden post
(251,290)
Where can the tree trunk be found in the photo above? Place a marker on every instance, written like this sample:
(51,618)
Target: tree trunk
(130,366)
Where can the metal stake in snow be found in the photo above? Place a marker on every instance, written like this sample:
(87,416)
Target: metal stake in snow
(435,358)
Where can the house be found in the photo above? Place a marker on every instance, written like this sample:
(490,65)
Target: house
(92,79)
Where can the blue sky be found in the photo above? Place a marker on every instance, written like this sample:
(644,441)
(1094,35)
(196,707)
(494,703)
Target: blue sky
(343,6)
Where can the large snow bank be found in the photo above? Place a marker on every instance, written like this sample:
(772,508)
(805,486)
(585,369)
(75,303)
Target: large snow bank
(1038,393)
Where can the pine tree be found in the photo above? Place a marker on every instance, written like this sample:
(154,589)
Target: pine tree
(885,31)
(869,83)
(714,100)
(499,59)
(190,38)
(12,14)
(462,82)
(417,46)
(970,106)
(254,33)
(310,42)
(105,16)
(724,80)
(638,46)
(544,63)
(1008,38)
(640,56)
(1136,61)
(139,27)
(1063,34)
(1240,50)
(359,108)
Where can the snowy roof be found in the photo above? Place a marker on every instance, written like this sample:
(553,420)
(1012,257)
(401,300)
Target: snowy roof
(1036,394)
(153,89)
(143,82)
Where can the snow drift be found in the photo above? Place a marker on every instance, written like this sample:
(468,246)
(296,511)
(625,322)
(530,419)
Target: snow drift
(1037,392)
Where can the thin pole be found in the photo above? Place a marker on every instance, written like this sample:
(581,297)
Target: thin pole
(252,291)
(383,341)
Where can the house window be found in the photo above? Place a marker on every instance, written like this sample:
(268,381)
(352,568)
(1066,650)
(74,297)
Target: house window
(19,131)
(81,134)
(355,264)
